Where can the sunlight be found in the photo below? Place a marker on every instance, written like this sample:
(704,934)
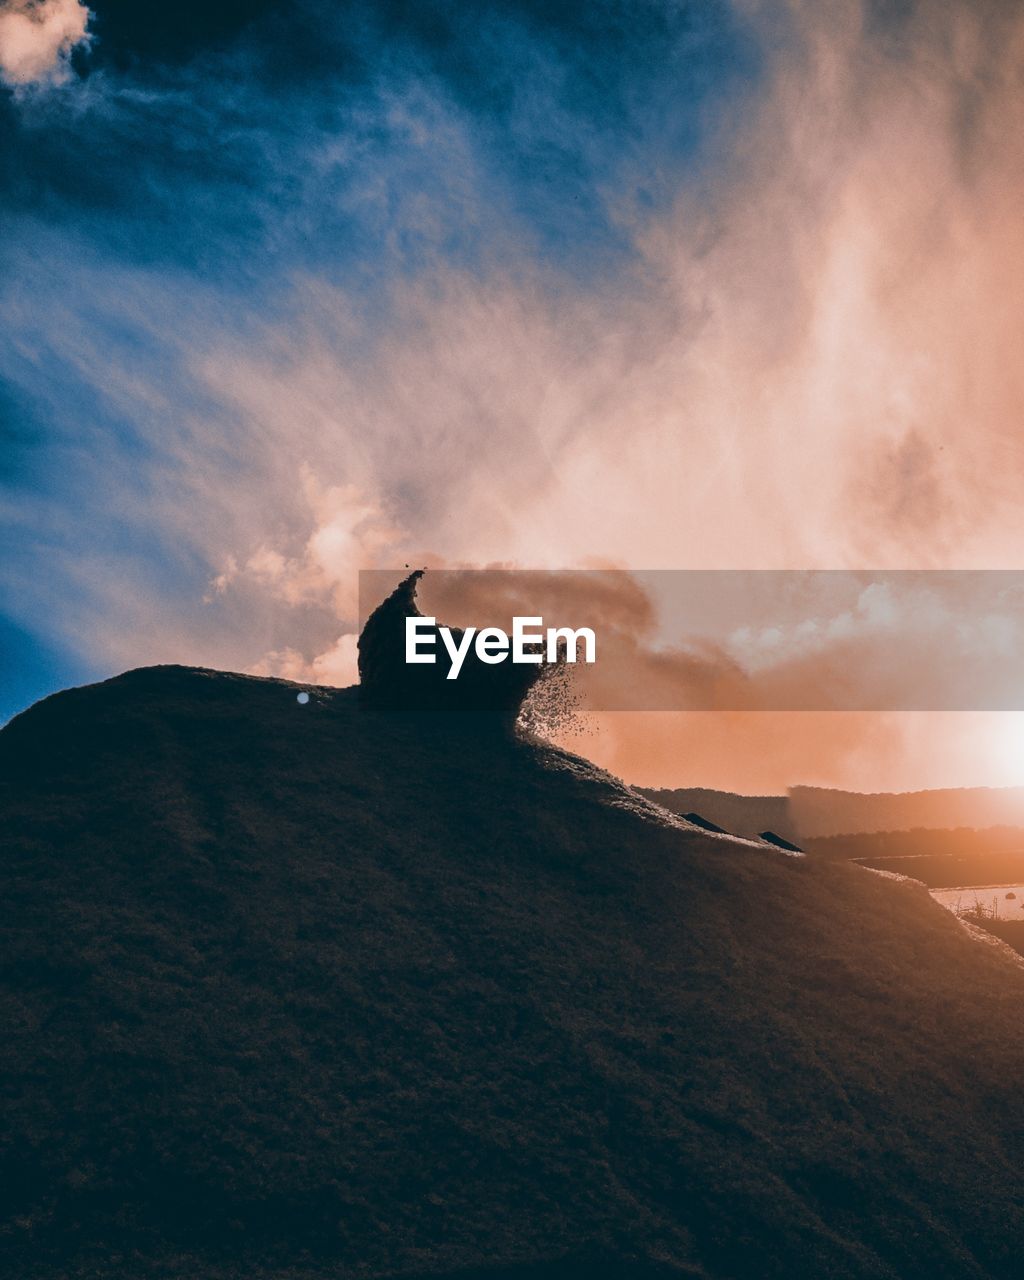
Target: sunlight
(1008,750)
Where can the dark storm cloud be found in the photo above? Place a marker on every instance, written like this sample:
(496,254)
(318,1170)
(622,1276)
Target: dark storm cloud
(128,33)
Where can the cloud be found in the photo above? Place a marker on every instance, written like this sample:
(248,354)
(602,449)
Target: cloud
(403,324)
(783,375)
(37,38)
(773,642)
(337,666)
(349,532)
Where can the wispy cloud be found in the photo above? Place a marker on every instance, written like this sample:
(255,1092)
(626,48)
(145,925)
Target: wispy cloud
(527,318)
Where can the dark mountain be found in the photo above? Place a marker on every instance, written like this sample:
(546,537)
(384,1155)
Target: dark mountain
(303,991)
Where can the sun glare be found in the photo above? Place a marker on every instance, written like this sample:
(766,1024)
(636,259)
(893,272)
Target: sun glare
(1008,750)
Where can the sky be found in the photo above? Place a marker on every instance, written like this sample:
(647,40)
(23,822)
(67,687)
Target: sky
(291,290)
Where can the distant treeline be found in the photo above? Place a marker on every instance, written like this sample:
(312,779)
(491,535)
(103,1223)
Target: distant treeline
(921,841)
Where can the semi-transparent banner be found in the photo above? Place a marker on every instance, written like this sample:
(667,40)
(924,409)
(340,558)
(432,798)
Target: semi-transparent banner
(729,640)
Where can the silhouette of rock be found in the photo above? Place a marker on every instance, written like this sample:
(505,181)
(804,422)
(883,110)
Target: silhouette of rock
(780,842)
(697,821)
(740,815)
(387,682)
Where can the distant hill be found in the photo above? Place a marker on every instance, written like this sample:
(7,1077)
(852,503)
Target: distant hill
(816,813)
(822,811)
(305,991)
(740,815)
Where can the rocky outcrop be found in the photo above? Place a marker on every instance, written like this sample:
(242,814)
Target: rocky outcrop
(492,693)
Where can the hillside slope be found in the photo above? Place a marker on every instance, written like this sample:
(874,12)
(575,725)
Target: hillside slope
(306,991)
(743,815)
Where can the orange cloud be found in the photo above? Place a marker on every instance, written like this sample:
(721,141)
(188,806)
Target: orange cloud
(37,37)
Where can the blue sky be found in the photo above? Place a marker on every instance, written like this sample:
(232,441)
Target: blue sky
(292,290)
(183,172)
